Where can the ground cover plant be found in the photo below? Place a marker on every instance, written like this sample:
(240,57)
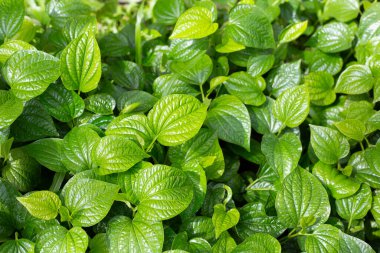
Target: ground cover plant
(189,126)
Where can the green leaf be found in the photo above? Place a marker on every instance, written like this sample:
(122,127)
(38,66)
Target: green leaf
(41,204)
(328,144)
(292,106)
(341,10)
(375,209)
(99,244)
(80,64)
(320,85)
(229,118)
(319,61)
(348,244)
(12,46)
(199,245)
(59,239)
(176,118)
(132,127)
(10,108)
(356,206)
(116,154)
(333,37)
(369,24)
(99,197)
(22,171)
(134,235)
(292,32)
(195,71)
(100,103)
(225,244)
(253,219)
(224,220)
(62,104)
(185,50)
(77,148)
(76,26)
(259,65)
(26,82)
(167,12)
(11,16)
(355,79)
(282,153)
(247,88)
(127,74)
(171,84)
(203,146)
(339,185)
(352,128)
(364,167)
(162,192)
(143,101)
(259,243)
(249,26)
(194,23)
(48,152)
(262,118)
(17,246)
(325,239)
(199,226)
(301,196)
(286,76)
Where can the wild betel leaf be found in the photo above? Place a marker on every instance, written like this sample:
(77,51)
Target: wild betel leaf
(41,204)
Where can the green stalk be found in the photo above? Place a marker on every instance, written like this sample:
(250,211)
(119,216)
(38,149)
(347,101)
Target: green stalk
(57,181)
(138,45)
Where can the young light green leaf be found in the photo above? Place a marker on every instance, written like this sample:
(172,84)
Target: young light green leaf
(229,118)
(356,79)
(77,148)
(76,26)
(100,103)
(195,23)
(41,204)
(259,243)
(338,185)
(62,104)
(356,206)
(292,106)
(195,71)
(301,196)
(59,239)
(12,14)
(224,220)
(328,144)
(26,82)
(99,197)
(17,246)
(12,46)
(320,86)
(259,65)
(167,12)
(162,192)
(247,88)
(132,127)
(286,76)
(176,118)
(341,10)
(292,32)
(225,244)
(22,171)
(282,153)
(81,63)
(199,245)
(333,37)
(249,26)
(253,219)
(116,154)
(134,236)
(10,108)
(352,128)
(197,150)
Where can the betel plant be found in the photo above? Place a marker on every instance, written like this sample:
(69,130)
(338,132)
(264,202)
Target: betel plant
(189,126)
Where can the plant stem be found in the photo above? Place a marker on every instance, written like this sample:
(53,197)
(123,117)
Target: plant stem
(203,95)
(138,46)
(229,194)
(57,181)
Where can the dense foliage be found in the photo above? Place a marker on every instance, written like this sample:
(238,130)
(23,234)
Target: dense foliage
(189,126)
